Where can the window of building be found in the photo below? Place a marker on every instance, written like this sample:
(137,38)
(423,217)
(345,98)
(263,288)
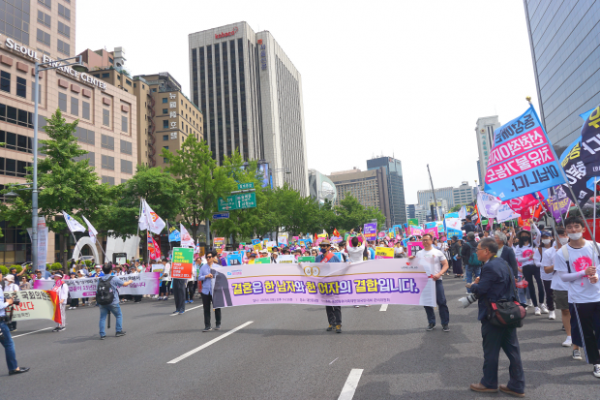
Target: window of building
(11,167)
(108,179)
(165,160)
(164,101)
(64,12)
(64,30)
(106,117)
(124,123)
(43,37)
(165,110)
(123,180)
(108,142)
(165,124)
(75,106)
(90,156)
(16,116)
(16,142)
(127,81)
(126,147)
(126,166)
(63,47)
(5,81)
(106,75)
(110,60)
(108,162)
(21,87)
(166,147)
(44,18)
(165,137)
(85,135)
(47,3)
(85,110)
(62,102)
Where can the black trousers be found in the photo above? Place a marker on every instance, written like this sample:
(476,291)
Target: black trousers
(207,305)
(586,313)
(494,339)
(549,295)
(179,287)
(334,315)
(531,272)
(191,289)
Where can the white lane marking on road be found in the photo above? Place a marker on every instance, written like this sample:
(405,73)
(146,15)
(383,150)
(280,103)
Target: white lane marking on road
(193,308)
(351,384)
(29,333)
(205,345)
(383,307)
(333,361)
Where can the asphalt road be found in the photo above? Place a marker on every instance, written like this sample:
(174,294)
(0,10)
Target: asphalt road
(283,352)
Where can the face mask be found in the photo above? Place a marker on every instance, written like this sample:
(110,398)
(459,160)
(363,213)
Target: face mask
(575,236)
(546,241)
(563,241)
(525,239)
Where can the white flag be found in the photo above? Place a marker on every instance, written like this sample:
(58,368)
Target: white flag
(488,205)
(73,225)
(186,239)
(91,230)
(149,220)
(462,213)
(505,213)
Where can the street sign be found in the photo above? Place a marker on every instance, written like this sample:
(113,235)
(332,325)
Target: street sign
(238,202)
(223,215)
(245,186)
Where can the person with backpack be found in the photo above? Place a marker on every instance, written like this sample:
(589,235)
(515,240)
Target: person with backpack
(107,297)
(469,257)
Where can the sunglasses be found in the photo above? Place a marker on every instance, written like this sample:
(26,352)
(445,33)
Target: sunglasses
(208,256)
(326,246)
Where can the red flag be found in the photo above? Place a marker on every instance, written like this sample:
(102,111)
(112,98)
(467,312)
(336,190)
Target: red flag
(521,204)
(335,232)
(57,317)
(153,248)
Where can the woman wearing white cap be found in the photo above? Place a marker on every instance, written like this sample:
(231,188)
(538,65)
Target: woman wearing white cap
(62,290)
(11,286)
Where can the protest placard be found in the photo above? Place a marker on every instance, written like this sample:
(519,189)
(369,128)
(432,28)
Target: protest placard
(183,258)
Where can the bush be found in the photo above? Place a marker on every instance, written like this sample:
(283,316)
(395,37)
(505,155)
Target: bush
(55,266)
(18,267)
(88,263)
(4,270)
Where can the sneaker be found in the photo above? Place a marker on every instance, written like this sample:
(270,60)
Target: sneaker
(367,305)
(207,329)
(191,301)
(530,303)
(597,370)
(62,328)
(13,330)
(338,329)
(568,342)
(577,355)
(538,311)
(544,309)
(445,328)
(430,327)
(552,315)
(122,333)
(176,312)
(330,327)
(356,306)
(181,312)
(217,327)
(102,337)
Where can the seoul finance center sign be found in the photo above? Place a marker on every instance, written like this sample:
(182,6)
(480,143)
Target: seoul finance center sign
(238,202)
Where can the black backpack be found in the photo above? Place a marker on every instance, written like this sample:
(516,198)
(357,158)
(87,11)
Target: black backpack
(105,294)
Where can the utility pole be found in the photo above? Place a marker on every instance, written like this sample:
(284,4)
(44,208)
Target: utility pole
(433,192)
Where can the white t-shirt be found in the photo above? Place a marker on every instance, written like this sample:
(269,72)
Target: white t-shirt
(580,290)
(547,260)
(557,283)
(431,260)
(355,254)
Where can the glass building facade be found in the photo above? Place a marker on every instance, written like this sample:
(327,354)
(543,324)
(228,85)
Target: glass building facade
(565,47)
(395,184)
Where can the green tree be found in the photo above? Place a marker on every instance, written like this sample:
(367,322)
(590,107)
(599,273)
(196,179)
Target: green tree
(203,182)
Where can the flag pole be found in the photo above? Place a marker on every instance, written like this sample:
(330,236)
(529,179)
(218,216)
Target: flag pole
(562,172)
(594,223)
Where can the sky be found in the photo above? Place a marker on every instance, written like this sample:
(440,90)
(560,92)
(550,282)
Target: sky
(399,78)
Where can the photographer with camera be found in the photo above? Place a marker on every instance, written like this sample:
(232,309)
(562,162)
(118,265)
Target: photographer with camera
(496,287)
(6,338)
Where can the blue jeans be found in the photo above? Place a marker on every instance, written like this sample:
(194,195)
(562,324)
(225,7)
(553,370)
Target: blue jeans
(472,270)
(441,302)
(115,309)
(523,293)
(9,347)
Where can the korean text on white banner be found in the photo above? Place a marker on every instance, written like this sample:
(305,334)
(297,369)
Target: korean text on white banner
(34,304)
(505,213)
(522,159)
(145,283)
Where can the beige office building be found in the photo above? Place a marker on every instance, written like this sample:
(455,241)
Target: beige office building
(107,115)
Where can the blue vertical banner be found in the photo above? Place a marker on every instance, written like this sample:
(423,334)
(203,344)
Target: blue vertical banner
(522,160)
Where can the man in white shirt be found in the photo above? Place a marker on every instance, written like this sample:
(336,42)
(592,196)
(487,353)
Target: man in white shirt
(355,252)
(435,265)
(576,264)
(11,286)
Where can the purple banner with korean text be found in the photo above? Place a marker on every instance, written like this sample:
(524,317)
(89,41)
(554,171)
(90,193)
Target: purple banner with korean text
(390,281)
(146,283)
(522,159)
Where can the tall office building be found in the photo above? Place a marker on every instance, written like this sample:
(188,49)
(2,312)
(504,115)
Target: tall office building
(425,197)
(463,194)
(251,96)
(485,141)
(395,184)
(370,188)
(417,211)
(564,37)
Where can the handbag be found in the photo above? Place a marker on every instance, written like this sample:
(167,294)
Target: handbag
(506,313)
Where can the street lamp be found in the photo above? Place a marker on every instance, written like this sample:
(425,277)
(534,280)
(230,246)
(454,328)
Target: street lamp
(77,66)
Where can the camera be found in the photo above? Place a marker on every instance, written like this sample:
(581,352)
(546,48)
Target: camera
(468,300)
(16,300)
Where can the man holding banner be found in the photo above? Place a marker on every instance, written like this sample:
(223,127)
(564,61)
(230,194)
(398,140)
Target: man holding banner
(334,313)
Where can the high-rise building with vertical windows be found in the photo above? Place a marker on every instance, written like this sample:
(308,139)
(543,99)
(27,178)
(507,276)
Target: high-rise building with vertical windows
(395,186)
(564,37)
(485,141)
(250,94)
(425,197)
